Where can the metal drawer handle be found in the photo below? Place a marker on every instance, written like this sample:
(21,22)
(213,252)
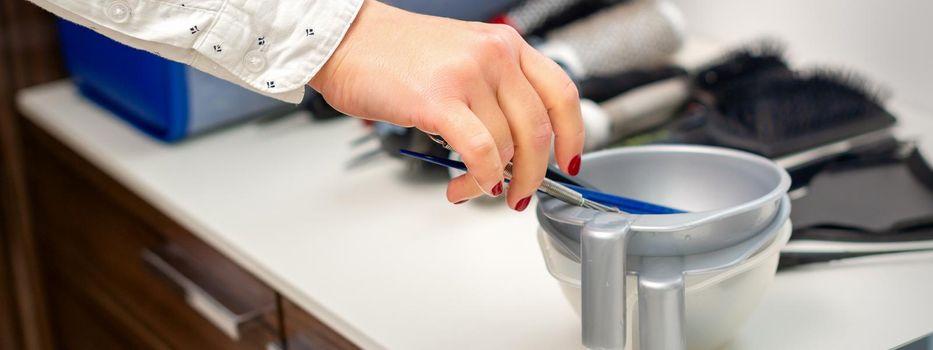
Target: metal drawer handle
(218,314)
(296,342)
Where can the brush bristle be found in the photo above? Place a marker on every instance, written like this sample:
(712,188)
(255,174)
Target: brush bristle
(765,56)
(773,108)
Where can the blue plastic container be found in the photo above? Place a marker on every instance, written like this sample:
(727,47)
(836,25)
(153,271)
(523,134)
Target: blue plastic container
(164,99)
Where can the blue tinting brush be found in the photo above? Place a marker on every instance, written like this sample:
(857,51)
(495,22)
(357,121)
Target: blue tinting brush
(581,196)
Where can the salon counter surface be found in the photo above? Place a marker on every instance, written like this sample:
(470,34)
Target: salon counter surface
(389,263)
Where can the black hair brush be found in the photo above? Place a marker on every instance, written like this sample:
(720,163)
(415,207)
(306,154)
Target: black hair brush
(779,114)
(762,59)
(742,67)
(751,100)
(755,102)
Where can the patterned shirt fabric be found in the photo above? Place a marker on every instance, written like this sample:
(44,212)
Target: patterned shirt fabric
(272,47)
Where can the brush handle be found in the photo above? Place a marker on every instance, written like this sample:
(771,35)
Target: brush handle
(635,111)
(628,205)
(645,107)
(603,88)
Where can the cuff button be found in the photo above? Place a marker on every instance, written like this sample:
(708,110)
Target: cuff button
(255,61)
(119,11)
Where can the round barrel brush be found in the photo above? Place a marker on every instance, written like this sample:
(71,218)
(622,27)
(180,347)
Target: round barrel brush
(535,17)
(636,34)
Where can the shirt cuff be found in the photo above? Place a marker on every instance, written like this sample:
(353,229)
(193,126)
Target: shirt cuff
(274,47)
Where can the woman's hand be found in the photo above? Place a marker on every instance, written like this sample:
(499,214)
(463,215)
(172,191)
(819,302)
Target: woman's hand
(480,86)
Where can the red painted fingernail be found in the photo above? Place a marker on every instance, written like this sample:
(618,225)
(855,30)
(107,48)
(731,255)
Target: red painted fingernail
(574,167)
(504,19)
(497,189)
(461,202)
(522,204)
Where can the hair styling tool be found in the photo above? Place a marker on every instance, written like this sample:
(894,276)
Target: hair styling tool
(465,10)
(752,62)
(760,105)
(312,102)
(829,225)
(318,107)
(550,182)
(810,252)
(602,88)
(635,111)
(391,139)
(574,13)
(535,17)
(631,35)
(751,100)
(741,67)
(785,115)
(746,64)
(552,171)
(529,15)
(920,168)
(575,195)
(548,186)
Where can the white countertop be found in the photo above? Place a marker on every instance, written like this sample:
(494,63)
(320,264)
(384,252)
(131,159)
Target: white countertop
(385,261)
(390,264)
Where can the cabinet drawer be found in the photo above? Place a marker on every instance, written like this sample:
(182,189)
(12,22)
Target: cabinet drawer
(305,332)
(85,317)
(132,264)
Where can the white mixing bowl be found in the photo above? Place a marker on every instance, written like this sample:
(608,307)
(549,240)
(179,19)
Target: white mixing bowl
(717,303)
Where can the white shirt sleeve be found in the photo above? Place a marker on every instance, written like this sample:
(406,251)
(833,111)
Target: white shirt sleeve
(273,47)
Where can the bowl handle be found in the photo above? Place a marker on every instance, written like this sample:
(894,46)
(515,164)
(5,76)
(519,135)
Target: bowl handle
(602,246)
(661,303)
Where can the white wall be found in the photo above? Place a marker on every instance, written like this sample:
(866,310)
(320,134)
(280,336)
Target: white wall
(890,42)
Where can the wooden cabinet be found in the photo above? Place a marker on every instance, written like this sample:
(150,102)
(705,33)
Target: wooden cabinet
(305,332)
(120,274)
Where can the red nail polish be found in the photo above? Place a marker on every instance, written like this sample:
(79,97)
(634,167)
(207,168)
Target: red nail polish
(497,189)
(574,167)
(461,202)
(522,204)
